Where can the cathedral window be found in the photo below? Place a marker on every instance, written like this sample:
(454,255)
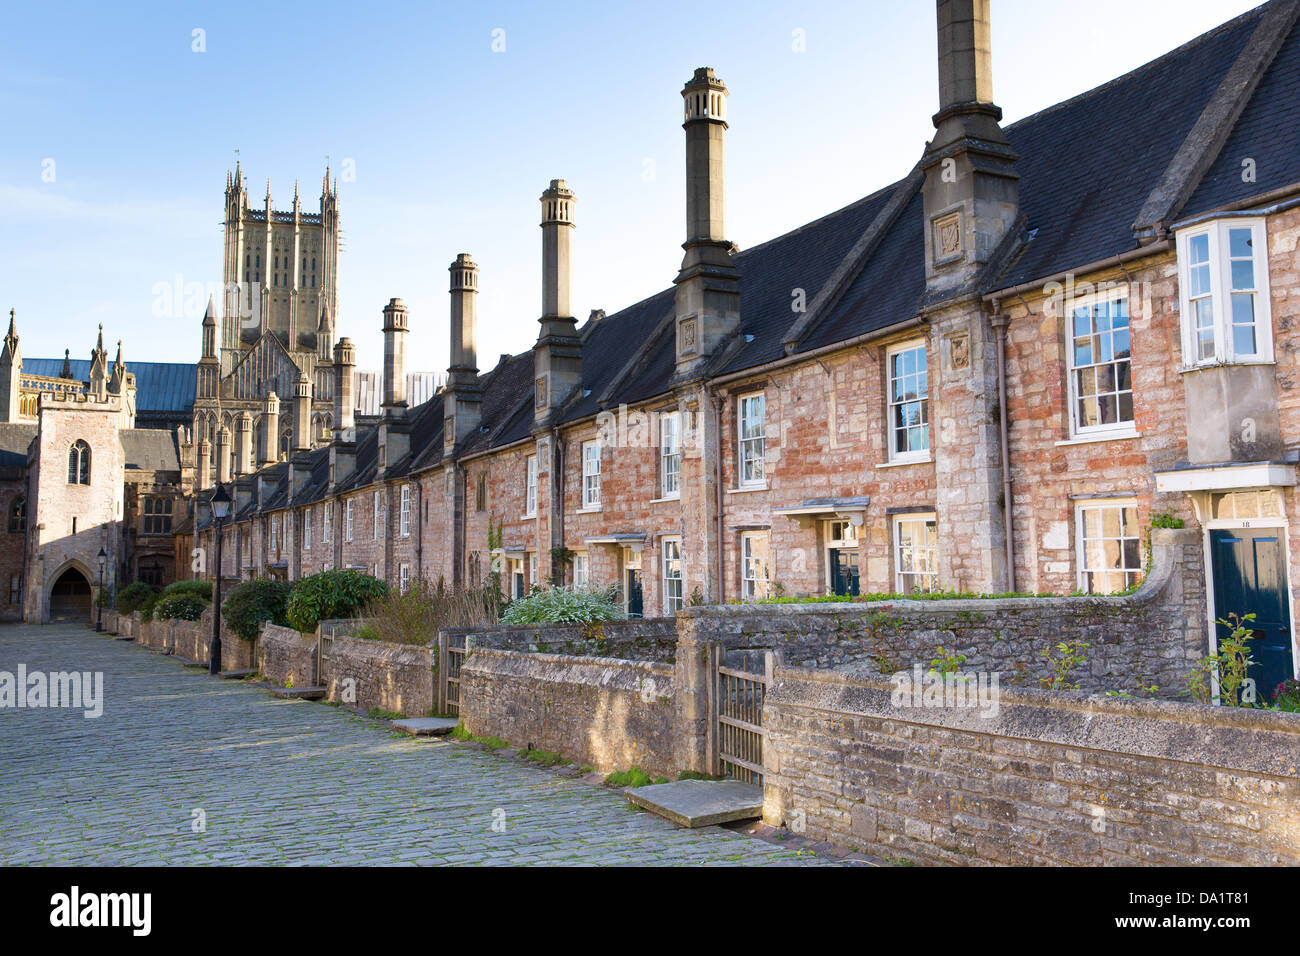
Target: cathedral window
(18,515)
(79,463)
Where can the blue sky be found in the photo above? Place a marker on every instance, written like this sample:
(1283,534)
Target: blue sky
(452,142)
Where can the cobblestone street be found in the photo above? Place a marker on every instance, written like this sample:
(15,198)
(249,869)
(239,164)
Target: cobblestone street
(289,782)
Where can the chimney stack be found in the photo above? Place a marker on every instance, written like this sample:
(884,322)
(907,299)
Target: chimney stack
(345,362)
(244,444)
(557,356)
(971,191)
(223,454)
(463,396)
(395,328)
(708,283)
(203,477)
(302,414)
(271,430)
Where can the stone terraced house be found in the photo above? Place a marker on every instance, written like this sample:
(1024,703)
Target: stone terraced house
(991,375)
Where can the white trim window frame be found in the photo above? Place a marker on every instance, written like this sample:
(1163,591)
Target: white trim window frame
(1108,545)
(1223,293)
(755,561)
(306,529)
(404,514)
(751,433)
(581,570)
(347,520)
(403,578)
(275,522)
(530,487)
(670,455)
(916,553)
(374,526)
(840,534)
(591,461)
(1099,356)
(908,394)
(671,552)
(326,522)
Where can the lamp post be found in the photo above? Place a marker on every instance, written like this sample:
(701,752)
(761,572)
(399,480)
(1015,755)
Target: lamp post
(99,612)
(220,504)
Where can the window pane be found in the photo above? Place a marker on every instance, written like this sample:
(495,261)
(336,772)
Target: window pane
(1200,280)
(1199,247)
(1243,274)
(1239,243)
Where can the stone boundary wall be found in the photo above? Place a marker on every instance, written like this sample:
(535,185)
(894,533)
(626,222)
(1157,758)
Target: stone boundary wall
(641,639)
(393,677)
(190,641)
(285,654)
(590,710)
(155,634)
(1155,635)
(1052,778)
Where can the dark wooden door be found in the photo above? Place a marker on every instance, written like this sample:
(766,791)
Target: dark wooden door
(634,604)
(844,572)
(1249,567)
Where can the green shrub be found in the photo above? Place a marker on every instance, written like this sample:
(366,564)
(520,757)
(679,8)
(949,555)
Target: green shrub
(201,589)
(414,617)
(563,605)
(330,594)
(636,777)
(252,602)
(179,607)
(147,606)
(131,597)
(1286,696)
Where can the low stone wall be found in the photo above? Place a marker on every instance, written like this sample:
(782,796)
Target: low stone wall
(641,639)
(1151,637)
(1049,778)
(393,677)
(286,655)
(591,710)
(126,625)
(190,641)
(237,654)
(154,634)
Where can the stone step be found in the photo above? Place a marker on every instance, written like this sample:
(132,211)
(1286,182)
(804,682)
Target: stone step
(235,675)
(300,693)
(700,803)
(426,726)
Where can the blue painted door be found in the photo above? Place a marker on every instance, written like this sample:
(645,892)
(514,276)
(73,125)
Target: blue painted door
(844,571)
(1249,567)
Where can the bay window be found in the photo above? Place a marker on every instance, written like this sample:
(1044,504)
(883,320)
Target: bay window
(1223,291)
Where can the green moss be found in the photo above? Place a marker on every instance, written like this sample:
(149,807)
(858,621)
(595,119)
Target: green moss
(635,777)
(696,775)
(379,714)
(547,758)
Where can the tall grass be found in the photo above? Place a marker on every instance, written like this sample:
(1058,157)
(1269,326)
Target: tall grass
(416,616)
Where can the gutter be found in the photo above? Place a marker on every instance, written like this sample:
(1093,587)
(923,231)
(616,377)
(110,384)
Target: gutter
(715,403)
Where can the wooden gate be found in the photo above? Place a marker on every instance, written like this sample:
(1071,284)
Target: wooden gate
(450,661)
(738,709)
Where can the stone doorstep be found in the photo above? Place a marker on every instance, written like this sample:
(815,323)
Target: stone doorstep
(300,693)
(123,637)
(426,726)
(234,675)
(700,803)
(189,663)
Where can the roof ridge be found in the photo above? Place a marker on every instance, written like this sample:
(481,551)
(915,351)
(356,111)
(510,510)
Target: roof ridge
(1144,68)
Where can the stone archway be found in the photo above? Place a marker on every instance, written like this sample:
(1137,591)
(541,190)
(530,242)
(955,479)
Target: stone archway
(70,596)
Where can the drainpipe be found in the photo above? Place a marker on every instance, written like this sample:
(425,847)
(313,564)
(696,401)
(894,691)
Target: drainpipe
(419,531)
(1000,320)
(715,403)
(557,499)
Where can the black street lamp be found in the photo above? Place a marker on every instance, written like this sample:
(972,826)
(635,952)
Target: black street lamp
(220,504)
(99,613)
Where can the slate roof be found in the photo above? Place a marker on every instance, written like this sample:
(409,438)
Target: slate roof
(159,386)
(150,449)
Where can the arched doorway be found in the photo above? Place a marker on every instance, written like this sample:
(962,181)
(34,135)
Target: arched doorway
(70,597)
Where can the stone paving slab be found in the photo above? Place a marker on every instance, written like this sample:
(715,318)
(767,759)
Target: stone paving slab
(700,803)
(183,768)
(426,726)
(300,693)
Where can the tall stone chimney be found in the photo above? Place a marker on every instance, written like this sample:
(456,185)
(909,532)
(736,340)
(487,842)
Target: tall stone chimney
(244,444)
(708,283)
(462,401)
(203,478)
(395,328)
(345,363)
(302,414)
(971,192)
(223,454)
(557,356)
(271,430)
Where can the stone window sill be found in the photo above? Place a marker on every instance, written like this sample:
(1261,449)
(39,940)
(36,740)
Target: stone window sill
(1089,439)
(906,461)
(659,501)
(589,511)
(745,488)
